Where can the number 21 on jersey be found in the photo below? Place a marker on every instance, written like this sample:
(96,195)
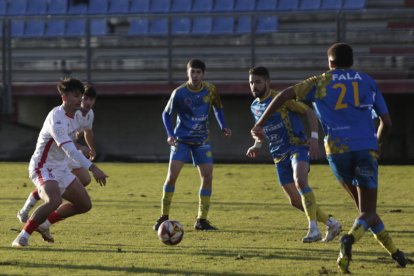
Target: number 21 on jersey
(340,104)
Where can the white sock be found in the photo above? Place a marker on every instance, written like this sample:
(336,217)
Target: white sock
(30,202)
(24,234)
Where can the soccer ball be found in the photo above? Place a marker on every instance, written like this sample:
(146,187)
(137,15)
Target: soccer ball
(170,232)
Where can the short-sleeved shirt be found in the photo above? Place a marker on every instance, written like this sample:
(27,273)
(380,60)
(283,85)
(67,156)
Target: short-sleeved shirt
(193,108)
(85,121)
(344,101)
(57,130)
(284,129)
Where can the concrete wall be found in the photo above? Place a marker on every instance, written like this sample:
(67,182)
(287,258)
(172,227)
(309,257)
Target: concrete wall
(130,128)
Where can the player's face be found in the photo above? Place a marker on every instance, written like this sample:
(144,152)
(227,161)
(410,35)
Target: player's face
(258,86)
(87,103)
(195,76)
(72,101)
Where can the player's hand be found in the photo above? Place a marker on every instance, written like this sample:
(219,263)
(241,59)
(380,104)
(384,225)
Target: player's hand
(92,154)
(252,152)
(313,148)
(172,141)
(257,133)
(227,132)
(98,174)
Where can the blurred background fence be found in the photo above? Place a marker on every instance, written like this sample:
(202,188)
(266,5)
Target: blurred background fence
(135,53)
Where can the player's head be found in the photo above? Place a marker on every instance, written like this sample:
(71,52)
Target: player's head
(71,91)
(88,98)
(340,55)
(195,72)
(259,81)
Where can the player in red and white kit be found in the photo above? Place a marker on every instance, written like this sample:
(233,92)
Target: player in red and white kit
(49,168)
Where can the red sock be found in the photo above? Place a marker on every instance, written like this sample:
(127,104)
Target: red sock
(30,226)
(54,217)
(35,194)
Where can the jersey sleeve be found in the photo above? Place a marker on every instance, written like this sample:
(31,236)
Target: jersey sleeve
(169,108)
(296,106)
(90,119)
(58,130)
(214,96)
(380,106)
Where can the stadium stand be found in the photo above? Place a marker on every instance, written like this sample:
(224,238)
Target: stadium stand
(266,5)
(99,27)
(354,4)
(17,28)
(245,5)
(34,28)
(181,25)
(310,5)
(58,7)
(118,7)
(181,5)
(243,25)
(159,26)
(202,25)
(331,4)
(138,26)
(3,7)
(160,6)
(98,6)
(223,25)
(75,27)
(37,7)
(55,28)
(202,5)
(223,6)
(266,24)
(288,5)
(139,6)
(17,7)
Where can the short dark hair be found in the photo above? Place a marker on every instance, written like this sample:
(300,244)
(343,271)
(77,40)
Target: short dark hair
(341,54)
(89,91)
(260,71)
(196,63)
(68,85)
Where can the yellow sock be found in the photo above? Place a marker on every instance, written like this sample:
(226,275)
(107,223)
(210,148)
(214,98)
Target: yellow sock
(167,195)
(321,216)
(384,239)
(358,229)
(204,203)
(309,203)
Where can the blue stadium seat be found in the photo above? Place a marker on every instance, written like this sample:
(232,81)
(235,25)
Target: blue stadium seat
(98,6)
(99,27)
(139,6)
(17,28)
(77,8)
(310,5)
(75,27)
(223,6)
(245,5)
(331,4)
(138,26)
(160,6)
(181,25)
(159,26)
(1,28)
(58,7)
(288,5)
(17,7)
(202,25)
(118,6)
(244,25)
(267,24)
(34,28)
(223,25)
(181,5)
(36,7)
(55,27)
(202,5)
(354,4)
(266,5)
(3,7)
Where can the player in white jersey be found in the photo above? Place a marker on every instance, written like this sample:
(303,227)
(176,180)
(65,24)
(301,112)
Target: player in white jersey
(83,124)
(49,169)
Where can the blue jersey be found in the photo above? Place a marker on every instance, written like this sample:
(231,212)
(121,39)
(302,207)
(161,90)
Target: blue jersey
(284,129)
(193,108)
(344,101)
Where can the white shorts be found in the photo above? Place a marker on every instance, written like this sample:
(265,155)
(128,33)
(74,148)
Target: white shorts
(73,165)
(63,176)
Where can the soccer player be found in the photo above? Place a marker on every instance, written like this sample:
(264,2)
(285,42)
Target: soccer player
(290,150)
(84,121)
(344,99)
(191,102)
(49,171)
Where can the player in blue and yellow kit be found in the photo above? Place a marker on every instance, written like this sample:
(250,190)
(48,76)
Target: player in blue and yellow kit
(290,150)
(344,100)
(192,102)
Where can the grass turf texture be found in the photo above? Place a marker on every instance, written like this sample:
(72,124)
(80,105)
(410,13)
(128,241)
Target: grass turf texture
(260,234)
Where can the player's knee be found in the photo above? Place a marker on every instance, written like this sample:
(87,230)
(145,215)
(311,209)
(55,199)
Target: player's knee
(296,204)
(53,202)
(86,181)
(84,207)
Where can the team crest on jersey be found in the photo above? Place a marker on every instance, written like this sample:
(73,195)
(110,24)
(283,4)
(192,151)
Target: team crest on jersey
(258,112)
(188,101)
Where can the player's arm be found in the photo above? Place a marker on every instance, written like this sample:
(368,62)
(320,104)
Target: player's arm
(90,141)
(313,140)
(385,123)
(254,150)
(219,114)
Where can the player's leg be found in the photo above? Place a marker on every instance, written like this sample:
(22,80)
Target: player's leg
(50,193)
(83,175)
(178,156)
(32,199)
(203,159)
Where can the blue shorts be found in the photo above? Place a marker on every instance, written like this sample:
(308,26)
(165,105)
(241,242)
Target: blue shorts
(359,168)
(199,154)
(284,167)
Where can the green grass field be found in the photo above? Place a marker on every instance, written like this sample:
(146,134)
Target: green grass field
(260,234)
